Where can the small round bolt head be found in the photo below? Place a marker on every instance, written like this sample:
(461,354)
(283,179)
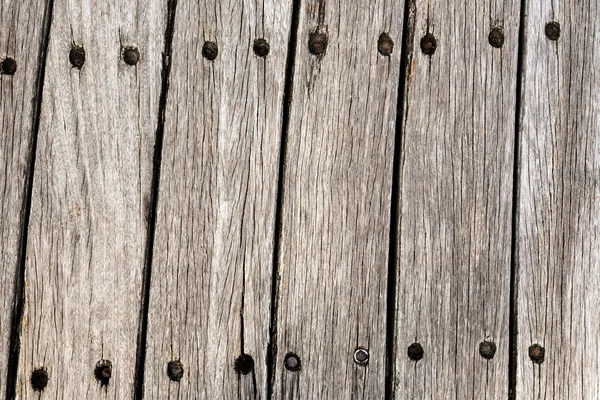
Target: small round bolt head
(103,372)
(361,356)
(175,370)
(8,66)
(244,364)
(39,379)
(552,30)
(317,43)
(428,44)
(537,353)
(131,55)
(496,37)
(210,50)
(487,350)
(385,45)
(261,47)
(77,56)
(415,351)
(292,362)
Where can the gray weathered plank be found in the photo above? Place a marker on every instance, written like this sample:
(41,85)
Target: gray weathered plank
(93,169)
(559,189)
(333,262)
(456,182)
(21,30)
(210,292)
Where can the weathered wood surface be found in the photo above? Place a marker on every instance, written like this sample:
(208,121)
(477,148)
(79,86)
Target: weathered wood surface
(558,221)
(21,34)
(92,177)
(333,262)
(456,177)
(210,293)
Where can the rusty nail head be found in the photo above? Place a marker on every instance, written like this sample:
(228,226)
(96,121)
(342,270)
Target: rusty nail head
(175,370)
(537,353)
(487,349)
(361,356)
(210,50)
(428,44)
(9,66)
(552,30)
(385,45)
(317,43)
(39,379)
(261,47)
(244,364)
(496,37)
(292,362)
(415,351)
(77,56)
(131,55)
(103,372)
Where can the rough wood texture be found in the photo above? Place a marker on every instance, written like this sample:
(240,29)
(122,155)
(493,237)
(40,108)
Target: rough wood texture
(92,178)
(21,30)
(559,225)
(456,182)
(336,207)
(210,294)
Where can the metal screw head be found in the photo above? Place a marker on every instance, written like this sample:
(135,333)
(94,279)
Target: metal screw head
(415,351)
(210,50)
(317,43)
(103,372)
(487,349)
(261,47)
(552,30)
(244,364)
(131,55)
(8,66)
(428,44)
(496,37)
(537,353)
(175,370)
(361,356)
(77,56)
(385,45)
(39,379)
(292,362)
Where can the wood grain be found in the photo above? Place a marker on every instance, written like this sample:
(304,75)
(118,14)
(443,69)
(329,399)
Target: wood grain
(210,293)
(334,243)
(21,31)
(559,198)
(456,183)
(87,230)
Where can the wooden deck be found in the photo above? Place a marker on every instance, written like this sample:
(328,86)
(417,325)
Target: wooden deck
(302,199)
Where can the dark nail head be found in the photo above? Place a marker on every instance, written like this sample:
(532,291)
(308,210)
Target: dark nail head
(175,370)
(361,356)
(103,372)
(131,55)
(385,45)
(428,44)
(8,66)
(292,362)
(210,50)
(244,364)
(317,43)
(261,48)
(552,30)
(487,349)
(77,56)
(496,37)
(39,379)
(415,351)
(537,353)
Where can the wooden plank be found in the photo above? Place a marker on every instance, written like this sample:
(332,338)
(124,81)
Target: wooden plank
(334,244)
(456,177)
(559,225)
(87,230)
(210,292)
(21,35)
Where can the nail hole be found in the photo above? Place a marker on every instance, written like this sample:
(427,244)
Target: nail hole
(244,364)
(103,372)
(39,379)
(77,56)
(8,66)
(210,50)
(496,37)
(361,356)
(175,370)
(261,47)
(537,353)
(552,30)
(487,349)
(131,55)
(415,351)
(292,362)
(317,43)
(385,45)
(428,44)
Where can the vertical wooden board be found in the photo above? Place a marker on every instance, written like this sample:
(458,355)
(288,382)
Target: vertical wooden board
(87,230)
(456,184)
(21,35)
(558,222)
(334,242)
(210,292)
